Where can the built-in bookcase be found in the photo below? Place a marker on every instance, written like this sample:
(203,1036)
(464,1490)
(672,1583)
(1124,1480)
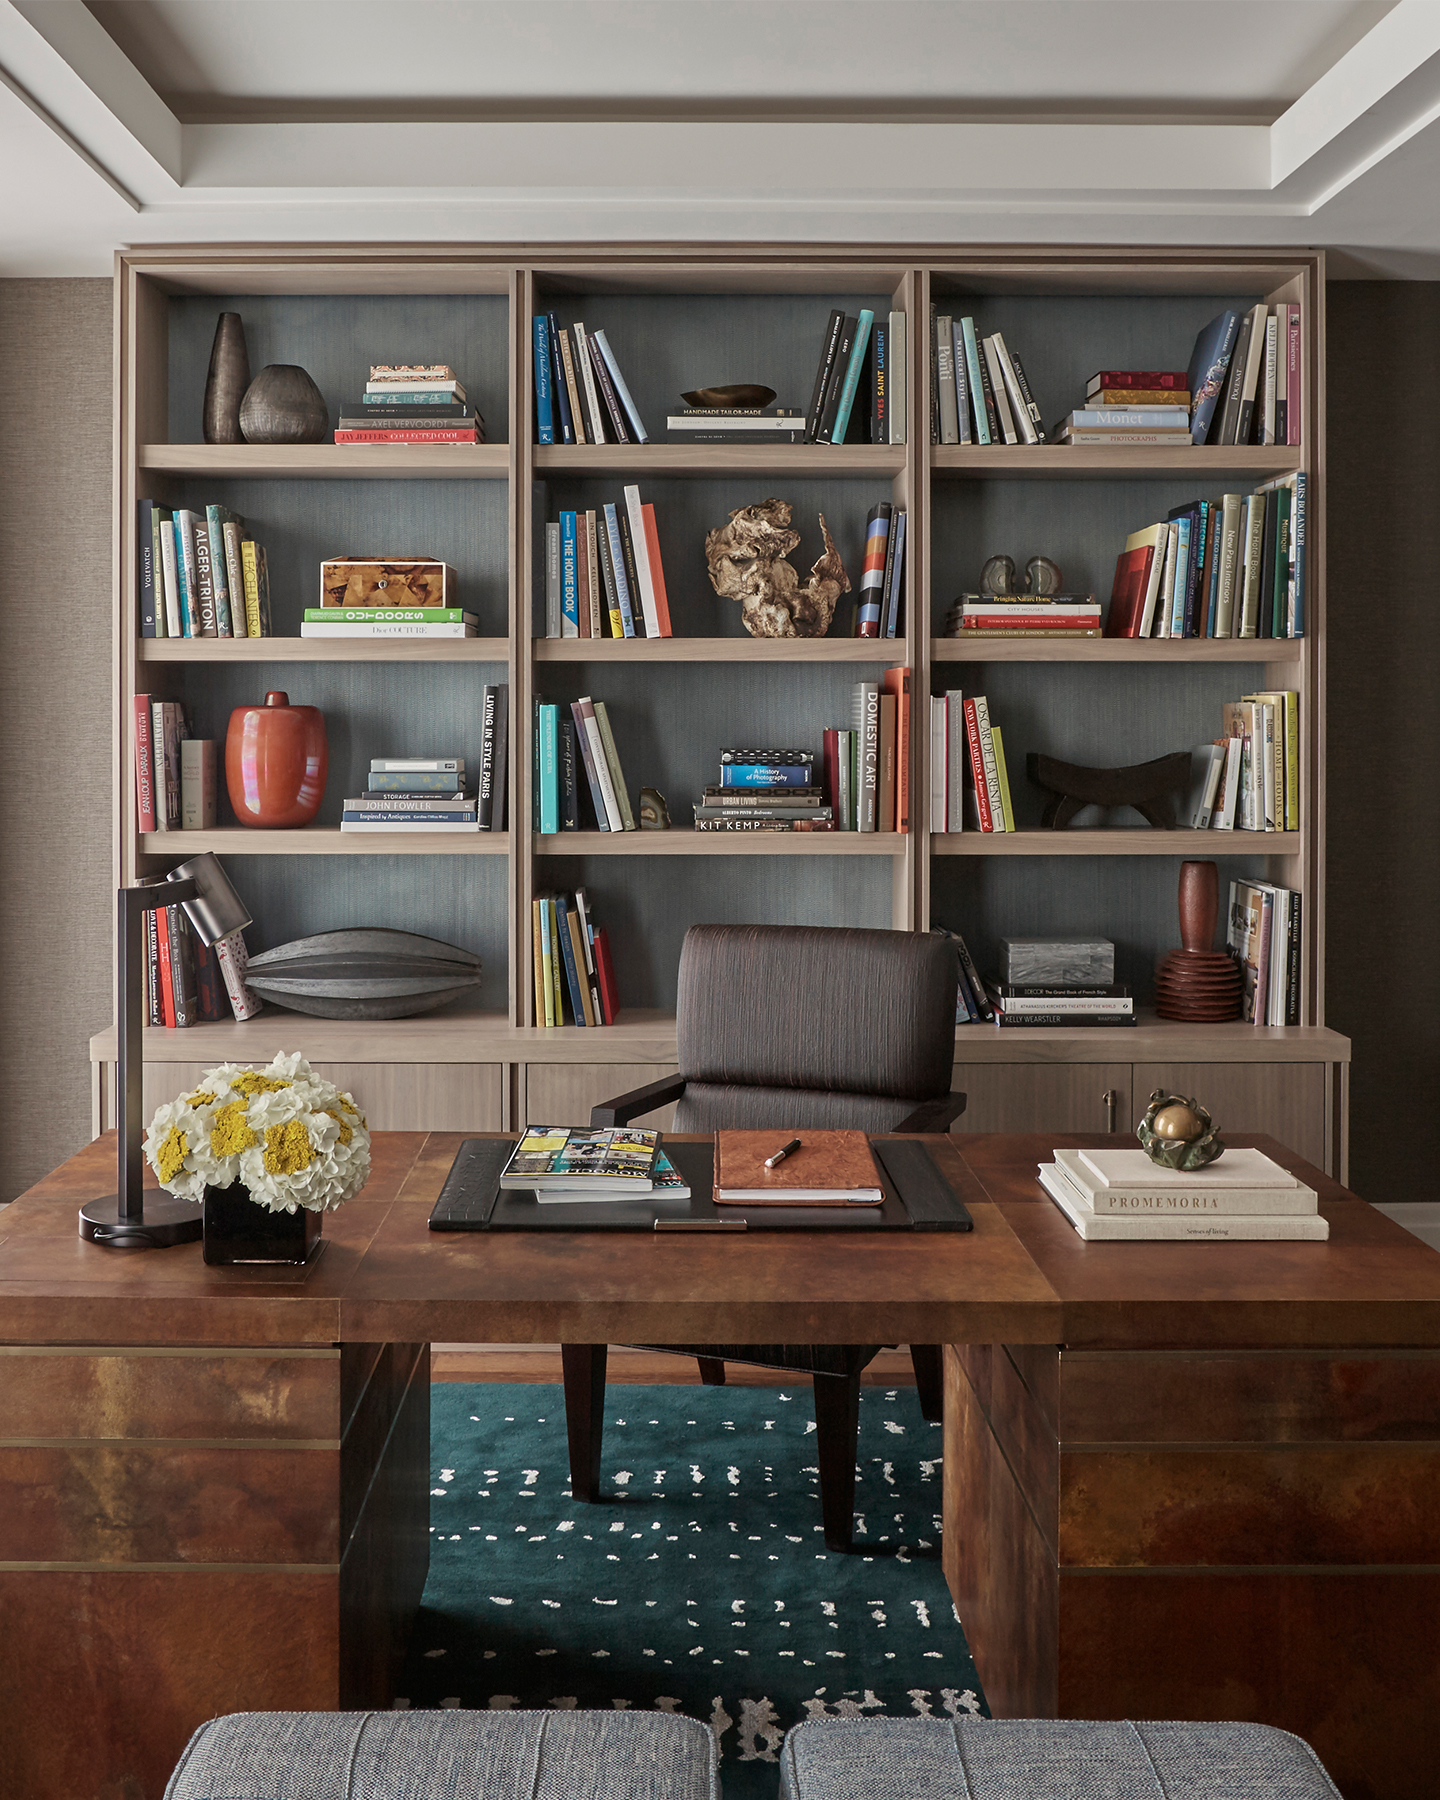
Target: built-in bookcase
(677,321)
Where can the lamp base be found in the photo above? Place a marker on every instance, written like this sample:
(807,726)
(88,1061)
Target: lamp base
(166,1221)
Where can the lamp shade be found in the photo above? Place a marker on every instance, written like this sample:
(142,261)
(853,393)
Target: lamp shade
(217,909)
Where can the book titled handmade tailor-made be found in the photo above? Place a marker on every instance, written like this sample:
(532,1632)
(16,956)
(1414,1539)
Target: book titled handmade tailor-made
(1121,1194)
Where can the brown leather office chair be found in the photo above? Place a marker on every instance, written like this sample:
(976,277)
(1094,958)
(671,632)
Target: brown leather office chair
(797,1027)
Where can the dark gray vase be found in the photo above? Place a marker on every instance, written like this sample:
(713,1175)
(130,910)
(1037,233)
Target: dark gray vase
(227,381)
(364,972)
(282,405)
(237,1229)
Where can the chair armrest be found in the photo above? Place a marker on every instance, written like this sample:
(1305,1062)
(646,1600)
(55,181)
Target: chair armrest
(625,1107)
(934,1115)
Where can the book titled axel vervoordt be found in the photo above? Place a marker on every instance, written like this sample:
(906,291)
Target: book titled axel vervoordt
(827,1168)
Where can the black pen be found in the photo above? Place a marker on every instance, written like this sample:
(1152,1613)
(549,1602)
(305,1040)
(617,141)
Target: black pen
(782,1153)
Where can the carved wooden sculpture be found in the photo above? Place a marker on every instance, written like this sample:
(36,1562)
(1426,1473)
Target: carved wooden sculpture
(1145,786)
(747,563)
(1198,983)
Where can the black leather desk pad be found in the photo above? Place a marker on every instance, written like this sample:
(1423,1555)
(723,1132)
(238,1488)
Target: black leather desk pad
(917,1198)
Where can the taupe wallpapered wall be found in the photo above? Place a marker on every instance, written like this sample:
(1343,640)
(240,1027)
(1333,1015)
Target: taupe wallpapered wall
(1383,985)
(55,733)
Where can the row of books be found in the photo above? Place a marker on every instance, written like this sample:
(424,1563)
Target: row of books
(1120,1195)
(978,390)
(201,574)
(766,790)
(1245,377)
(1041,615)
(1265,934)
(175,774)
(1248,779)
(604,576)
(411,403)
(580,395)
(969,782)
(430,793)
(867,764)
(563,748)
(574,970)
(1232,568)
(1020,999)
(188,982)
(857,358)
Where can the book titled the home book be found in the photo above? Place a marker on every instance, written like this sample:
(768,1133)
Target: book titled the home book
(826,1168)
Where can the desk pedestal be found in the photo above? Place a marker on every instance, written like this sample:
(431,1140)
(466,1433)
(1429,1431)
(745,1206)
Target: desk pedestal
(1231,1535)
(197,1531)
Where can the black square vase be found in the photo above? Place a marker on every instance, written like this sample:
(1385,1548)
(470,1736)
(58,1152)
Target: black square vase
(238,1230)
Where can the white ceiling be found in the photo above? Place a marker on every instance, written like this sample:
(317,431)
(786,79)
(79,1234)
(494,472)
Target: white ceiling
(1119,121)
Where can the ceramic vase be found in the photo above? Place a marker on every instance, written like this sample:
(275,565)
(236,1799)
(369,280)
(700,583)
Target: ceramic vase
(282,405)
(226,382)
(237,1229)
(276,761)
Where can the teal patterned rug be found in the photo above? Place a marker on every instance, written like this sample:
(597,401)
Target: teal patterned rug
(701,1584)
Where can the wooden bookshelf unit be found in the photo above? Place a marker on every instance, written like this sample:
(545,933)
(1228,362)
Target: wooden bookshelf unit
(679,319)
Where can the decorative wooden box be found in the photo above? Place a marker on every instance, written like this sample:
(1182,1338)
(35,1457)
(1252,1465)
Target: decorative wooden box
(404,581)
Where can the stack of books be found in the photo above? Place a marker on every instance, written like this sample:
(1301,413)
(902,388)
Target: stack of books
(1131,406)
(737,425)
(1121,1195)
(189,982)
(1048,615)
(972,1002)
(201,574)
(429,793)
(561,1162)
(1232,568)
(857,356)
(867,764)
(1265,935)
(765,790)
(603,573)
(388,622)
(1059,981)
(969,781)
(574,971)
(1248,779)
(978,390)
(1245,377)
(566,746)
(411,403)
(580,395)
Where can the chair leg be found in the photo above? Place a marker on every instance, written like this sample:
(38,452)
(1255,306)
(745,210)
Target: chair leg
(837,1420)
(929,1380)
(712,1370)
(583,1366)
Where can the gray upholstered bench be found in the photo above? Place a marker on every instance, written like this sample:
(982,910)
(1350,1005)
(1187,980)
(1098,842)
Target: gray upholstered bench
(1046,1759)
(461,1755)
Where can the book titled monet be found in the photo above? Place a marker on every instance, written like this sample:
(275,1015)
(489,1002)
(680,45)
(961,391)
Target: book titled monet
(565,1159)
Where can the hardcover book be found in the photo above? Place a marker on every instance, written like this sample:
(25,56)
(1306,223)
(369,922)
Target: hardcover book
(828,1168)
(612,1160)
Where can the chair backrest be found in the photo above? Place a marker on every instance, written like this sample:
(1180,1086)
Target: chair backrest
(829,1010)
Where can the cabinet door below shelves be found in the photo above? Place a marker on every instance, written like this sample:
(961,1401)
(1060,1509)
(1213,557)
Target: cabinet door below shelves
(1042,1096)
(393,1096)
(1287,1100)
(563,1093)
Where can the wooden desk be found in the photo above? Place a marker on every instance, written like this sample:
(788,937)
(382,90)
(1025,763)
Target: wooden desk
(214,1482)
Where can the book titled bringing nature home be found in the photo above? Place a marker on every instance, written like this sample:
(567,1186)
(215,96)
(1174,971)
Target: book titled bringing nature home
(827,1168)
(559,1158)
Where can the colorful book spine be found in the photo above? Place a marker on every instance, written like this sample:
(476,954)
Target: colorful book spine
(151,585)
(896,589)
(657,571)
(617,564)
(631,411)
(557,383)
(976,385)
(617,774)
(635,516)
(872,574)
(549,769)
(854,369)
(548,1002)
(569,578)
(977,767)
(144,766)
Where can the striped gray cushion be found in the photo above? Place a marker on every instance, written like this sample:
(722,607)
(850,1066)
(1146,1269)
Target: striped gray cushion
(451,1754)
(1046,1759)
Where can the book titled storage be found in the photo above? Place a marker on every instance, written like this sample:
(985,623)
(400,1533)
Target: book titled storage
(613,1160)
(828,1168)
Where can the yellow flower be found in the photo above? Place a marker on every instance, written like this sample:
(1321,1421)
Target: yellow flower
(287,1147)
(229,1133)
(345,1132)
(202,1098)
(172,1153)
(253,1082)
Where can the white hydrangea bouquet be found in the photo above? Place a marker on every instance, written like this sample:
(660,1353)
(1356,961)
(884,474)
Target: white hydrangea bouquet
(289,1138)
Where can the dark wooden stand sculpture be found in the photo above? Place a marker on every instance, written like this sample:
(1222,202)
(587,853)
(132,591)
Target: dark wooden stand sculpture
(1197,983)
(1145,786)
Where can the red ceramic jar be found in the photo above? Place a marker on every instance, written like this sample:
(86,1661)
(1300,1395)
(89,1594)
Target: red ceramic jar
(276,759)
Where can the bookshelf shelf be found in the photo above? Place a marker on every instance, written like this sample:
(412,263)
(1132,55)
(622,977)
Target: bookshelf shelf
(324,840)
(1103,462)
(722,650)
(709,462)
(982,648)
(303,650)
(1117,841)
(679,841)
(329,462)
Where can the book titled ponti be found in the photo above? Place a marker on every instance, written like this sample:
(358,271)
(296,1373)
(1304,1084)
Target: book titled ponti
(825,1168)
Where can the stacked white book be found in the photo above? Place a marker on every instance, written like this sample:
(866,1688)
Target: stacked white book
(1122,1195)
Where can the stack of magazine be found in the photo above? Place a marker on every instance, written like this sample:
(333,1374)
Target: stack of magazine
(1121,1194)
(560,1163)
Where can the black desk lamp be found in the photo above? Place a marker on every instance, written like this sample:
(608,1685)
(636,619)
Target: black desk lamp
(129,1219)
